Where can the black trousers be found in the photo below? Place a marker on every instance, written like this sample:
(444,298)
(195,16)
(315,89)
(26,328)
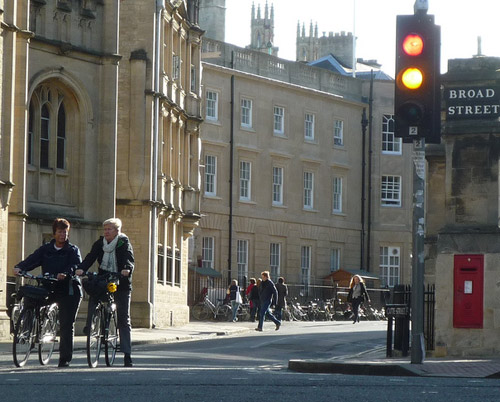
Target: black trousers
(68,310)
(355,307)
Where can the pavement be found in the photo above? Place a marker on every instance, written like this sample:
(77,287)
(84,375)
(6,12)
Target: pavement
(371,362)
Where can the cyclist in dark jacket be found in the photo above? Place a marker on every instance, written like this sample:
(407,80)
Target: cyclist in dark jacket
(268,294)
(59,258)
(114,253)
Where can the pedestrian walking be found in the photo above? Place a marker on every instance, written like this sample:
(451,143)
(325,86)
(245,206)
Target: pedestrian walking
(357,295)
(268,296)
(235,296)
(248,293)
(282,294)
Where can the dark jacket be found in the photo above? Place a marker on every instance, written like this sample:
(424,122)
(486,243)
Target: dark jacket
(53,262)
(282,293)
(364,293)
(124,258)
(254,294)
(233,290)
(268,292)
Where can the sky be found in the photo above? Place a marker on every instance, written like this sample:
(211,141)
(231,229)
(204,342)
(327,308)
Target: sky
(461,22)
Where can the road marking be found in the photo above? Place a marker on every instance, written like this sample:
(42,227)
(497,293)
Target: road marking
(13,379)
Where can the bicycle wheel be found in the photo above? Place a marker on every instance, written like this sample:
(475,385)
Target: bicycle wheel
(111,339)
(244,313)
(23,337)
(48,332)
(94,337)
(199,312)
(224,313)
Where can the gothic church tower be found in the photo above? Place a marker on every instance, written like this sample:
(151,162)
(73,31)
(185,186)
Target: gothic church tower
(262,31)
(312,47)
(212,19)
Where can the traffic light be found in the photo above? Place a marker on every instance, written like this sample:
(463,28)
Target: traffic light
(417,95)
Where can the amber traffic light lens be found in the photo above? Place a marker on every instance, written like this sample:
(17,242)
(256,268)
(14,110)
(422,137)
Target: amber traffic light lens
(412,78)
(413,45)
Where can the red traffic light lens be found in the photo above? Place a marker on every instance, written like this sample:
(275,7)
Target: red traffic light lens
(413,45)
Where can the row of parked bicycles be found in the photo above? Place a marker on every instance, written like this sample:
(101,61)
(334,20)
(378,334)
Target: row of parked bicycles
(316,310)
(35,324)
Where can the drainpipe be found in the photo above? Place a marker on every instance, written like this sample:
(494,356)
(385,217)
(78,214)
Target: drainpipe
(364,124)
(370,153)
(231,182)
(160,6)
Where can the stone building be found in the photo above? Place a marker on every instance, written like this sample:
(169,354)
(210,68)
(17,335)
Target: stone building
(101,118)
(314,47)
(293,201)
(463,236)
(213,18)
(262,31)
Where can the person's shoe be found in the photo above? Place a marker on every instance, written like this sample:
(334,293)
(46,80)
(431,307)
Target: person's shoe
(63,363)
(278,326)
(258,329)
(127,361)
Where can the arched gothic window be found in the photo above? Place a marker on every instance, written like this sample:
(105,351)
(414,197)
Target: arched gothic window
(52,136)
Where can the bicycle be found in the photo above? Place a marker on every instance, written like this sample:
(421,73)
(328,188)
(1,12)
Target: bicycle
(37,320)
(103,322)
(207,309)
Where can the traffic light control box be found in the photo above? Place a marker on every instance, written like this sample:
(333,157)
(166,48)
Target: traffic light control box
(417,95)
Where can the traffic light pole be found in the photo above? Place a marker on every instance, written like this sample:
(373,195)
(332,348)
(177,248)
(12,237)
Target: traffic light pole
(418,263)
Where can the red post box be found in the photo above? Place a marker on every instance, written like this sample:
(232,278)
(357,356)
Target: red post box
(468,291)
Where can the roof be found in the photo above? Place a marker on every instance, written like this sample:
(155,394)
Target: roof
(363,70)
(362,273)
(205,271)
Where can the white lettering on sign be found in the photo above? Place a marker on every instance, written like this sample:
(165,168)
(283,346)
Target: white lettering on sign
(472,93)
(473,110)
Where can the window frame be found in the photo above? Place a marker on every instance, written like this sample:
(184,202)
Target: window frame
(211,105)
(278,187)
(210,174)
(389,271)
(279,129)
(337,194)
(245,182)
(208,252)
(393,188)
(309,124)
(388,138)
(335,258)
(338,132)
(275,259)
(308,191)
(242,250)
(248,114)
(305,267)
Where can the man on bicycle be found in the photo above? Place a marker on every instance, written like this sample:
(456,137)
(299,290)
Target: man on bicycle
(59,258)
(114,253)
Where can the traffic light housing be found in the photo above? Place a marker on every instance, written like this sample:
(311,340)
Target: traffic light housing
(417,95)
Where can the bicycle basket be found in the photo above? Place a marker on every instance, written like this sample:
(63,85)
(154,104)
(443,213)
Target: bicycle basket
(95,286)
(32,292)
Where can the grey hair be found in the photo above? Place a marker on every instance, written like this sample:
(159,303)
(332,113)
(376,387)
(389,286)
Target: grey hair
(116,222)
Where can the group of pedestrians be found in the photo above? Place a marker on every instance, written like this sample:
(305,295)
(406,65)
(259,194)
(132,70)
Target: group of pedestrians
(262,294)
(62,260)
